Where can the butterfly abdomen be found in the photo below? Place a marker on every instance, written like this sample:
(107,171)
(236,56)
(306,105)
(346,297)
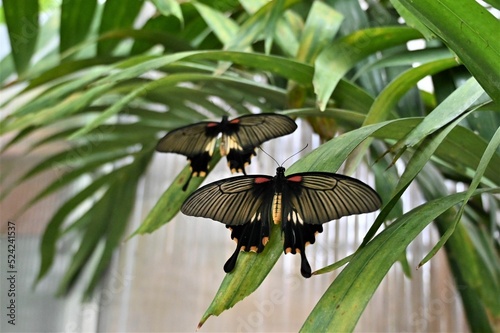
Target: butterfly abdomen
(277,208)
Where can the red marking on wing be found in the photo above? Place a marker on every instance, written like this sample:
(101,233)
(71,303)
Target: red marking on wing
(235,121)
(296,179)
(212,124)
(260,180)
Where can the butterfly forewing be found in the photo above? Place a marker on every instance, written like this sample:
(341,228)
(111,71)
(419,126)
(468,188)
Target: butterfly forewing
(232,201)
(189,140)
(321,197)
(255,129)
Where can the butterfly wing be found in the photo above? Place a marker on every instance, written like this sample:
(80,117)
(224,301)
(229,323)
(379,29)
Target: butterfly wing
(196,142)
(257,128)
(313,198)
(242,203)
(247,132)
(320,197)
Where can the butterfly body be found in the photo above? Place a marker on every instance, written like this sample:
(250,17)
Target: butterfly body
(301,203)
(239,138)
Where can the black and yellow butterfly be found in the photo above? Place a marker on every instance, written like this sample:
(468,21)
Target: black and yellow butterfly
(240,137)
(301,202)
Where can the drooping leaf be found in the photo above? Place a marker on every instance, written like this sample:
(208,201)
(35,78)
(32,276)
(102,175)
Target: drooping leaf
(21,17)
(76,20)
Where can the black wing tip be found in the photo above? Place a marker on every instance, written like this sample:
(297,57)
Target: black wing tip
(305,268)
(231,262)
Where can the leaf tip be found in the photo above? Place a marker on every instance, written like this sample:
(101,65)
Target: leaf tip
(202,321)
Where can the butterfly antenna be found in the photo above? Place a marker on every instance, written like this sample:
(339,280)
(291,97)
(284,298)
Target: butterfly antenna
(265,152)
(300,151)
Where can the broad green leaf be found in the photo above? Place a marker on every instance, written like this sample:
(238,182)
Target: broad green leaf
(342,304)
(335,61)
(287,33)
(169,7)
(223,27)
(76,19)
(117,14)
(251,6)
(321,26)
(6,67)
(275,13)
(411,20)
(254,26)
(346,118)
(470,31)
(21,17)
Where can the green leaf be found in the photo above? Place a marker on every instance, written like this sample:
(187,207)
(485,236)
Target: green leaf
(76,20)
(251,269)
(412,21)
(6,67)
(389,97)
(341,305)
(48,244)
(125,197)
(457,103)
(478,175)
(470,31)
(95,226)
(254,26)
(222,26)
(169,7)
(335,61)
(322,24)
(116,14)
(171,200)
(417,162)
(21,17)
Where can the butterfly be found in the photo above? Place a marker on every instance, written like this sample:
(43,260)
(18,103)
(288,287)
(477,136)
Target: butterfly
(240,137)
(301,202)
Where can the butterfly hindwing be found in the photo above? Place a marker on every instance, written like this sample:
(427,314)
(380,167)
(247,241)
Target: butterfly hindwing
(243,204)
(313,198)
